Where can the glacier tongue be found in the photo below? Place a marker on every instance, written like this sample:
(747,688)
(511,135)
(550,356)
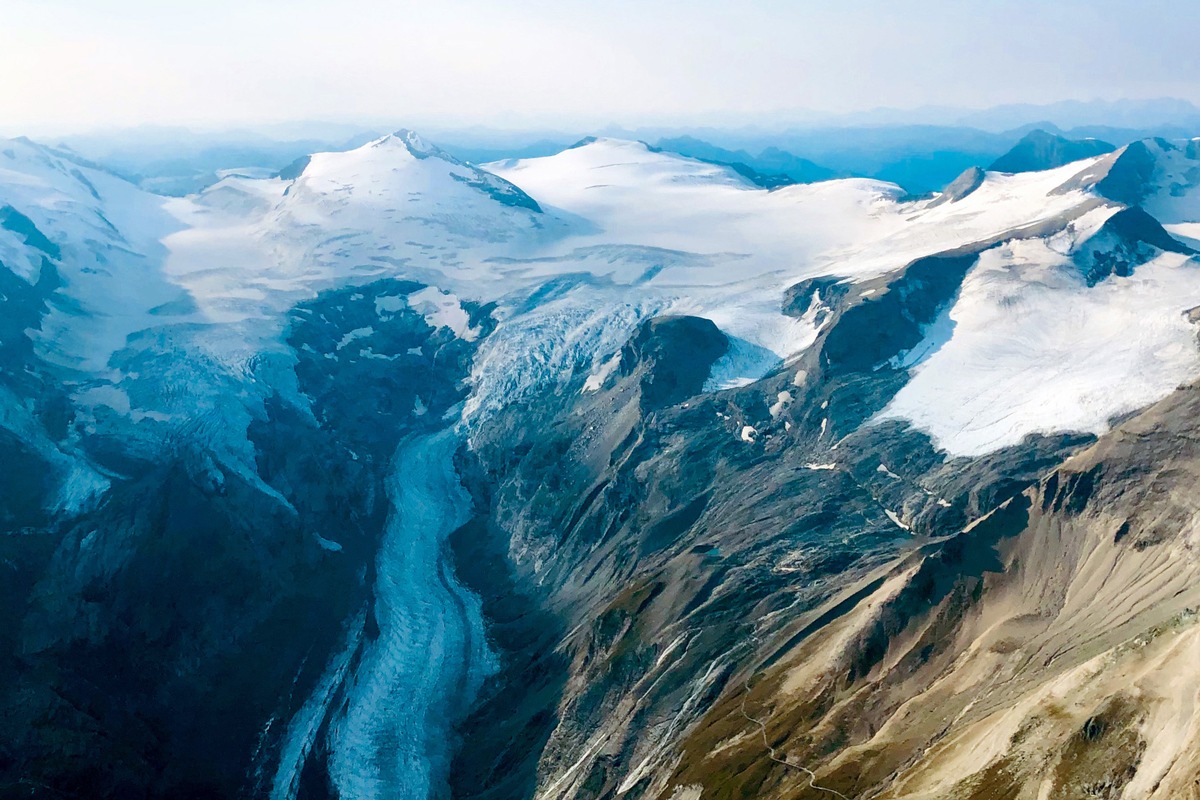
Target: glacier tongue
(430,657)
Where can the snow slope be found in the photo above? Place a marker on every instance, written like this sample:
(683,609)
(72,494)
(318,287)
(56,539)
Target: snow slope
(253,248)
(721,248)
(108,235)
(1034,349)
(633,195)
(634,232)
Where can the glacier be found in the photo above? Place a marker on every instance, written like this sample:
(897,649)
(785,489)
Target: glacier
(421,673)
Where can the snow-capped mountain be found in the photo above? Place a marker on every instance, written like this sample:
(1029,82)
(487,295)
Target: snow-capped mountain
(607,473)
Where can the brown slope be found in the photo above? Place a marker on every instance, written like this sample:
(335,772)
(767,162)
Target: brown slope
(1050,650)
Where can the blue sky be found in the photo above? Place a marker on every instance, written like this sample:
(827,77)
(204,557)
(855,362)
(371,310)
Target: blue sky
(72,64)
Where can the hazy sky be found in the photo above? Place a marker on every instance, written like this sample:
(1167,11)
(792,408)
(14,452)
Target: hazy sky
(73,64)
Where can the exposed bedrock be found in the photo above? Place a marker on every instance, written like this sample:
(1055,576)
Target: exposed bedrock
(666,553)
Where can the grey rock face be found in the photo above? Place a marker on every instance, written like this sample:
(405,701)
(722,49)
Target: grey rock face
(1128,179)
(672,357)
(295,169)
(674,550)
(970,180)
(1124,176)
(827,292)
(1129,238)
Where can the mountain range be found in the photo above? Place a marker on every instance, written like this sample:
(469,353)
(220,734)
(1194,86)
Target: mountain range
(613,472)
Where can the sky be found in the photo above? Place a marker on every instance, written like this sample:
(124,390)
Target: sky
(72,65)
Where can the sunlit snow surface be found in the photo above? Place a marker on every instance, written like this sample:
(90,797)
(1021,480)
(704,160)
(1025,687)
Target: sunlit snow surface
(696,237)
(1033,349)
(619,232)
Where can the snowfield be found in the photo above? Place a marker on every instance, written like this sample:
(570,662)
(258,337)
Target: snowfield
(622,232)
(638,232)
(1033,349)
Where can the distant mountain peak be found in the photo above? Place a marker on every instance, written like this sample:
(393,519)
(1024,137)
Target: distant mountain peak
(1040,150)
(415,145)
(771,168)
(406,147)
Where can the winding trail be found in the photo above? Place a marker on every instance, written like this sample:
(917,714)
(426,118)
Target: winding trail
(413,682)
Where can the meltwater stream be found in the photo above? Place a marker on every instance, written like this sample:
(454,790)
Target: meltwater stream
(393,738)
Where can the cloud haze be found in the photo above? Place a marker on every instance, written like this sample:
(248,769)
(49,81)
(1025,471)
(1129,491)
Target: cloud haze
(79,63)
